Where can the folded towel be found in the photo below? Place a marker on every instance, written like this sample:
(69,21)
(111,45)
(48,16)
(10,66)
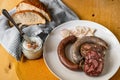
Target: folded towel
(10,37)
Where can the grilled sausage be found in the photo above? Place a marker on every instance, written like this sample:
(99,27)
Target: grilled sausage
(62,56)
(87,39)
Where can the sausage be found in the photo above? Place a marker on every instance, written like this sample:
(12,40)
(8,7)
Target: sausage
(94,63)
(86,47)
(62,56)
(87,39)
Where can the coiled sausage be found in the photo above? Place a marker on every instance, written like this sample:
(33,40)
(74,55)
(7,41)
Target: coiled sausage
(62,56)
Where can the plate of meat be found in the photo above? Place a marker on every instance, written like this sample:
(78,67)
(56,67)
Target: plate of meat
(82,49)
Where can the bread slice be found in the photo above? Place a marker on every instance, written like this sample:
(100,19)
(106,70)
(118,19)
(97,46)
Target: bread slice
(34,5)
(28,17)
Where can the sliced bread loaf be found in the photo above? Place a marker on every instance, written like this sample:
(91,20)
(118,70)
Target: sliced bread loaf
(28,17)
(34,5)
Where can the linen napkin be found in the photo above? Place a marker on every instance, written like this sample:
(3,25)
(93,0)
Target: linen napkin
(10,37)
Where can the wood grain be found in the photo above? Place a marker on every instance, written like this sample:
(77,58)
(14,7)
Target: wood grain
(105,12)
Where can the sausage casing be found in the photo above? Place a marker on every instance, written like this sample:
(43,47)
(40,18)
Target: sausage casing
(61,53)
(87,39)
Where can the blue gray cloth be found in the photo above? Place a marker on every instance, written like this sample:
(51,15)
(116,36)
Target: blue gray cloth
(10,38)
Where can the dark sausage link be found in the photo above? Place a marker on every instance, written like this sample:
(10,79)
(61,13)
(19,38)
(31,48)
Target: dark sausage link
(62,56)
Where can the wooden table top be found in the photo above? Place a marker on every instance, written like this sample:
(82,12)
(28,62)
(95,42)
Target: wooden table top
(105,12)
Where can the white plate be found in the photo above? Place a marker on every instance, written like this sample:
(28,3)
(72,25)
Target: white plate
(53,63)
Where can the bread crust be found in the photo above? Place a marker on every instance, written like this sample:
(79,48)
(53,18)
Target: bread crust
(23,11)
(37,4)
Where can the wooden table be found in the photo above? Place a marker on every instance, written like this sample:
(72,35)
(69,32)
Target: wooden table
(105,12)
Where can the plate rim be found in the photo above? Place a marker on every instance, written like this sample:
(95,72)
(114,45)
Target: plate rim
(56,27)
